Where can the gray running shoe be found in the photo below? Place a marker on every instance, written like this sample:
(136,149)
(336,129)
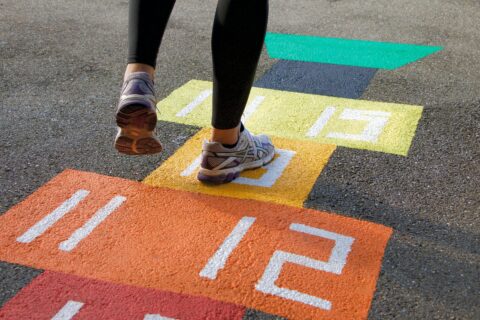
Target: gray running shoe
(137,117)
(221,165)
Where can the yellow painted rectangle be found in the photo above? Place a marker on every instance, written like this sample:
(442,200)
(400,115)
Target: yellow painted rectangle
(361,124)
(299,163)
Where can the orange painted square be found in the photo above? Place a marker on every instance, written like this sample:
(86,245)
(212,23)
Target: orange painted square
(162,239)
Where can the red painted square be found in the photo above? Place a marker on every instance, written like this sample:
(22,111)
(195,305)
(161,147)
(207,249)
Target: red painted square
(50,292)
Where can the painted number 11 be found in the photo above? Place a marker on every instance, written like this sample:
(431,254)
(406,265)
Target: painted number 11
(266,284)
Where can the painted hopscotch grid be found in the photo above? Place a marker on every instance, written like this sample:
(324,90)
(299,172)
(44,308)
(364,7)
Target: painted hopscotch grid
(288,179)
(317,78)
(59,296)
(293,262)
(370,125)
(350,52)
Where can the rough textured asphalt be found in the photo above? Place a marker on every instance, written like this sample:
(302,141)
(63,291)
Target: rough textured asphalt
(61,68)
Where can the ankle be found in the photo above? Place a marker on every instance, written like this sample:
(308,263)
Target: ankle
(139,67)
(228,137)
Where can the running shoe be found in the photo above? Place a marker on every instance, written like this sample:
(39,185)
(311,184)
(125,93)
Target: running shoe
(137,117)
(221,164)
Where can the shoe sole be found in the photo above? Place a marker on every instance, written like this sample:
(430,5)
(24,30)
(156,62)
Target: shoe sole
(136,131)
(228,175)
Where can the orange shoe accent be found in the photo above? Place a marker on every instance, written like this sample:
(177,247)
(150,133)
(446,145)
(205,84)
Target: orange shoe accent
(169,240)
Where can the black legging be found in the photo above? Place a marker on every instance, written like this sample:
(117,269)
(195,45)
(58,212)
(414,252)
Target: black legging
(237,39)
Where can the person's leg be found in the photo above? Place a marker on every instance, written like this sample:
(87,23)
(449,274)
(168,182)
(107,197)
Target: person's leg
(237,39)
(146,26)
(136,114)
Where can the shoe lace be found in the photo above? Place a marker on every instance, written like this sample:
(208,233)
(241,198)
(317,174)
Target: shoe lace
(251,143)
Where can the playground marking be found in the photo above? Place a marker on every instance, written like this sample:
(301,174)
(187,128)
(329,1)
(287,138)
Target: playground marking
(361,124)
(335,264)
(321,122)
(49,220)
(218,260)
(68,311)
(282,263)
(156,317)
(375,123)
(91,224)
(195,103)
(361,53)
(288,179)
(81,233)
(317,78)
(274,170)
(87,299)
(252,107)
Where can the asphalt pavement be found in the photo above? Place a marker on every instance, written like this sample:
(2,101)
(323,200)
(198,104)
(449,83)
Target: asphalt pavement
(61,68)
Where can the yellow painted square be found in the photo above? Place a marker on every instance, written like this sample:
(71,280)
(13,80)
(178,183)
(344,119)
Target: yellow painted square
(360,124)
(306,162)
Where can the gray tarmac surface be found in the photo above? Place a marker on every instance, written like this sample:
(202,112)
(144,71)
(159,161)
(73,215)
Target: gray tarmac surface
(60,75)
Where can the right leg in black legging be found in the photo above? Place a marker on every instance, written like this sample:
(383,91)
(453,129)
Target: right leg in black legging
(237,40)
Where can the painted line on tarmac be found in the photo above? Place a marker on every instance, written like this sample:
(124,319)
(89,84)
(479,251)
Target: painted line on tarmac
(288,179)
(293,262)
(82,298)
(360,53)
(85,230)
(49,220)
(317,78)
(219,259)
(68,311)
(234,251)
(359,124)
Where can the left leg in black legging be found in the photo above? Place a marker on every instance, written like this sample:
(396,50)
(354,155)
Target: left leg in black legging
(147,22)
(237,39)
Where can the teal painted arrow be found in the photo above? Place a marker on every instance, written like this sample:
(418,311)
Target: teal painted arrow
(360,53)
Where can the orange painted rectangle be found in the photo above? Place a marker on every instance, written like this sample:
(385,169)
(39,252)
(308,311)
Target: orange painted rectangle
(293,262)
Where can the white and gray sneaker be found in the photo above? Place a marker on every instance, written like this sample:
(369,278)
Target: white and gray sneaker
(221,164)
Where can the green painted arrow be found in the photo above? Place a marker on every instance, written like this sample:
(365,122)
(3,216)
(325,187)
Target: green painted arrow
(360,53)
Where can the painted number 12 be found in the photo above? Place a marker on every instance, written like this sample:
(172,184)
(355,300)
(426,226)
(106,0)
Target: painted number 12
(266,284)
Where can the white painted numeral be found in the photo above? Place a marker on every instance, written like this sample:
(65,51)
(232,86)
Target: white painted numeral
(156,317)
(266,284)
(81,233)
(85,230)
(49,220)
(321,122)
(274,169)
(377,120)
(195,103)
(252,107)
(218,260)
(192,167)
(69,310)
(335,265)
(204,95)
